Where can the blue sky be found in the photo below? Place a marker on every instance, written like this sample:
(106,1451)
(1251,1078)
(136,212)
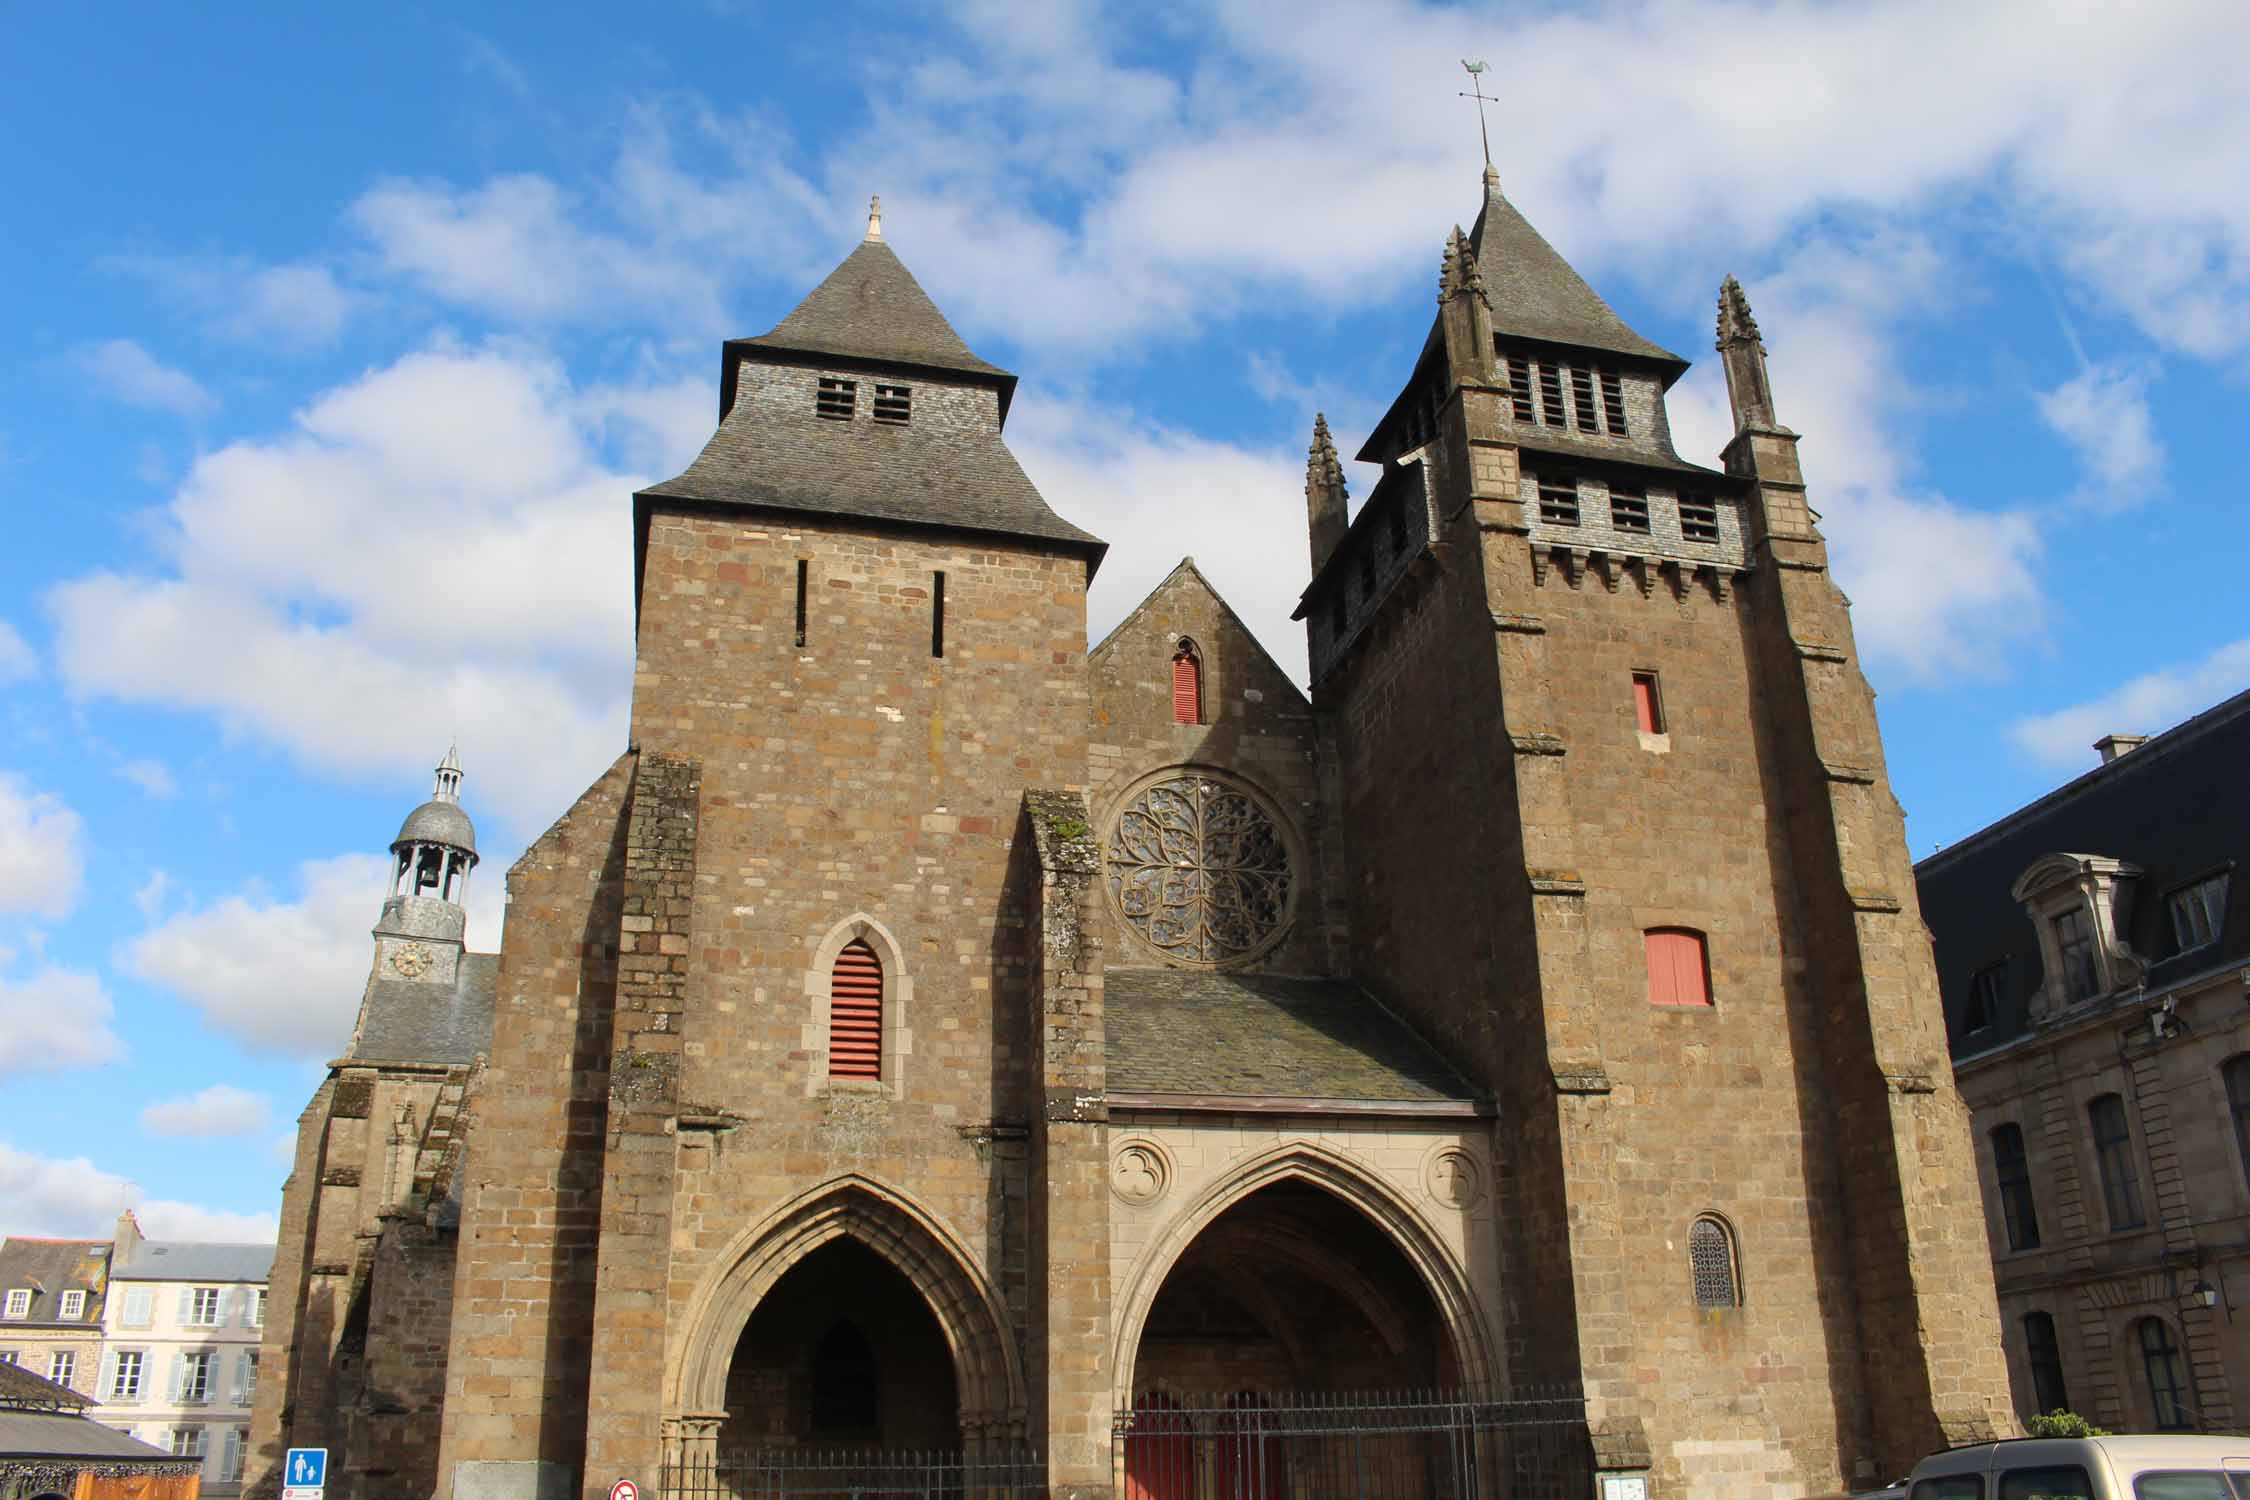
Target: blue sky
(335,343)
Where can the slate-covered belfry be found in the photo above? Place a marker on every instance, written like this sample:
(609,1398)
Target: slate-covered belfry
(934,1034)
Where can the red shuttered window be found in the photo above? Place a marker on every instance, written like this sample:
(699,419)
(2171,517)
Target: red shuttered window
(1187,685)
(855,1014)
(1678,968)
(1648,712)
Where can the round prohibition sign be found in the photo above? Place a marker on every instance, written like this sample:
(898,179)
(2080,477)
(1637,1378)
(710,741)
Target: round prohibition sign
(624,1489)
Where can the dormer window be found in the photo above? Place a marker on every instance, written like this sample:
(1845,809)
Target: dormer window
(894,404)
(2198,912)
(73,1306)
(19,1302)
(836,399)
(2072,901)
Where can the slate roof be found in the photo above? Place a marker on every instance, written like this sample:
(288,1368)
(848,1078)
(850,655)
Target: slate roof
(1536,295)
(191,1260)
(20,1389)
(2173,806)
(871,307)
(62,1435)
(1174,1031)
(50,1268)
(413,1022)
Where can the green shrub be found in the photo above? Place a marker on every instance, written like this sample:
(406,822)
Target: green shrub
(2062,1424)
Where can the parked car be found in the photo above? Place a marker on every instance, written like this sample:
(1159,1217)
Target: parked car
(2128,1466)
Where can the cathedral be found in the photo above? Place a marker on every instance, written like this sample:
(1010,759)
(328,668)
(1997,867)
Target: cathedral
(940,1055)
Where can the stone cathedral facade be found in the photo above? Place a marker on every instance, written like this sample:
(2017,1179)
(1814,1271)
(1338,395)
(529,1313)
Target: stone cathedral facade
(936,1033)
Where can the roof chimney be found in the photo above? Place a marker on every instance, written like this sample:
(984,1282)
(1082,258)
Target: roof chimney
(2114,745)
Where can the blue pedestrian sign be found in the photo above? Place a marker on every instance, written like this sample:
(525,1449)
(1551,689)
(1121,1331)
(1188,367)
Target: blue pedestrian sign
(304,1473)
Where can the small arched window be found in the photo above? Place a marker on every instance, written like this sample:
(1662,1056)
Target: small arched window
(1187,684)
(855,1013)
(1679,967)
(1711,1261)
(2167,1379)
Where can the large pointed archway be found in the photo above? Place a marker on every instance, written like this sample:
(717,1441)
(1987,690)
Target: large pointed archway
(848,1316)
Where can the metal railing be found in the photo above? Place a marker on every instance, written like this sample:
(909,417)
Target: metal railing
(1360,1445)
(858,1474)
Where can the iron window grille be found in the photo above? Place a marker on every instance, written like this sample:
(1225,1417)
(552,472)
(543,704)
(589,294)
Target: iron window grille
(836,399)
(894,404)
(1711,1260)
(1699,519)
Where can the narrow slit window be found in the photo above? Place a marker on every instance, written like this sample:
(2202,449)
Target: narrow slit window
(1679,968)
(855,1013)
(894,404)
(1558,501)
(937,614)
(836,399)
(1699,519)
(1613,404)
(1187,684)
(1519,387)
(1648,707)
(804,570)
(1550,395)
(1628,511)
(1711,1263)
(1582,398)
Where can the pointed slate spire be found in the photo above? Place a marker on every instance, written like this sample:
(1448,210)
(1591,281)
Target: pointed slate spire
(1536,295)
(1743,353)
(1324,494)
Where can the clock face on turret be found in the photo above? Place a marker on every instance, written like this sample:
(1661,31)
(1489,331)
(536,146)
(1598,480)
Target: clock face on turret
(411,961)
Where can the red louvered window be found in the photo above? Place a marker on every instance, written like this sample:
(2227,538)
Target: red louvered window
(1187,685)
(855,1014)
(1648,712)
(1679,971)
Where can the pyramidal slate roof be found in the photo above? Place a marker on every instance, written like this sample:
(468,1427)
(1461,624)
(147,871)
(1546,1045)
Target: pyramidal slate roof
(1534,292)
(871,307)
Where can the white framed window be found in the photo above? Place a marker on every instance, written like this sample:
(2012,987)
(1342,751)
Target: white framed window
(62,1366)
(199,1307)
(73,1306)
(194,1382)
(246,1377)
(19,1302)
(230,1467)
(187,1442)
(127,1366)
(140,1307)
(257,1309)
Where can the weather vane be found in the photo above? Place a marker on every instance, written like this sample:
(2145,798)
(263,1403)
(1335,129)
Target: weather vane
(1476,86)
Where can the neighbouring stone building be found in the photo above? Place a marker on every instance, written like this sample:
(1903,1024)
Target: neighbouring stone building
(2094,948)
(934,1033)
(51,1299)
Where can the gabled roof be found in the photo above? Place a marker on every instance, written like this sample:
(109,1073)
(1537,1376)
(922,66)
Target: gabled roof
(51,1267)
(1536,295)
(871,307)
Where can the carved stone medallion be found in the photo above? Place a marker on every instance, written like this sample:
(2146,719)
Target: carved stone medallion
(1452,1178)
(1139,1174)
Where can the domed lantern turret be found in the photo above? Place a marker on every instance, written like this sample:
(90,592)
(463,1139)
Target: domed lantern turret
(419,935)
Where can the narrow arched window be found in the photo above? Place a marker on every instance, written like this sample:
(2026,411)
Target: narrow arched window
(2167,1379)
(1711,1261)
(855,1013)
(1187,684)
(1679,966)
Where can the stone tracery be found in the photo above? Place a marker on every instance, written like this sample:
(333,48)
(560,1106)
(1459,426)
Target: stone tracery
(1199,870)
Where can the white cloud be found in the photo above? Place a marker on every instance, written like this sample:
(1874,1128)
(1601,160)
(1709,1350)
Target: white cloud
(70,1197)
(437,548)
(55,1019)
(42,851)
(16,659)
(153,893)
(2148,704)
(294,306)
(277,976)
(151,776)
(124,371)
(2103,413)
(220,1110)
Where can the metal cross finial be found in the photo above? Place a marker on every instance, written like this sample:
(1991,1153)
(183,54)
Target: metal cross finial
(1476,92)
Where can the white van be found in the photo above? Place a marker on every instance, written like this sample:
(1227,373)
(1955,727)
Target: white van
(2133,1467)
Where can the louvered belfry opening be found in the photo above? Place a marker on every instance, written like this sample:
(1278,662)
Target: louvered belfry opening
(1187,685)
(855,1014)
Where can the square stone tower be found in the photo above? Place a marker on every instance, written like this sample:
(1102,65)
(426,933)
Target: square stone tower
(1621,842)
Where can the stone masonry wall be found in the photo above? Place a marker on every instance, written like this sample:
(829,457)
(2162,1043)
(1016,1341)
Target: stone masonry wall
(531,1193)
(854,785)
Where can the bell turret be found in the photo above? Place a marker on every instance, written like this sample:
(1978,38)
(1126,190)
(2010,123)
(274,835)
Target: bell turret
(420,933)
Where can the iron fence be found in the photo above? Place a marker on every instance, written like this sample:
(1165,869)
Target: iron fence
(858,1474)
(1430,1445)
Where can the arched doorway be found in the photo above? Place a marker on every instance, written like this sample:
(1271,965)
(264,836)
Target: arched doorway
(842,1352)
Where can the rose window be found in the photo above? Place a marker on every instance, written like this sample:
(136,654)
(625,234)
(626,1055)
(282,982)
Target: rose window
(1199,871)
